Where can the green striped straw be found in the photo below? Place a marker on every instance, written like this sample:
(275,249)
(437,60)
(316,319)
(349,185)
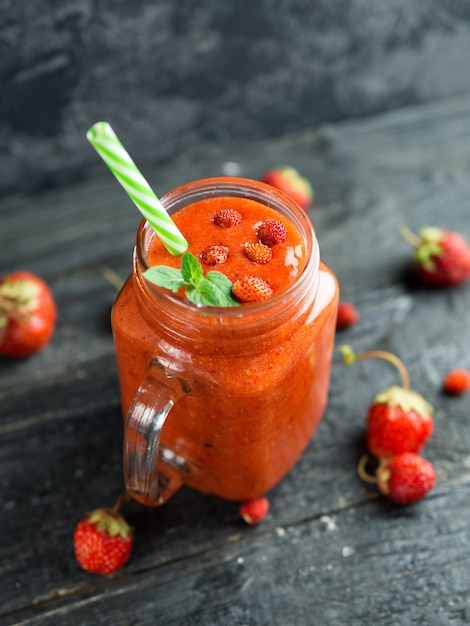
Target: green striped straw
(105,141)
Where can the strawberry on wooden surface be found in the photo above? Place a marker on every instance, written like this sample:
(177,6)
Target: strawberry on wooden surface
(103,540)
(406,477)
(28,314)
(347,315)
(254,511)
(399,419)
(441,257)
(457,381)
(293,184)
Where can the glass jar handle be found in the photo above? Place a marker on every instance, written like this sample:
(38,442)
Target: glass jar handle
(143,425)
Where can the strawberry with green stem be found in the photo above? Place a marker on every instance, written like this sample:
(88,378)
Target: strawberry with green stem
(441,258)
(287,179)
(399,419)
(28,314)
(405,478)
(103,540)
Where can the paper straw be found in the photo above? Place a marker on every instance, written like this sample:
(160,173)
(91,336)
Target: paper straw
(105,141)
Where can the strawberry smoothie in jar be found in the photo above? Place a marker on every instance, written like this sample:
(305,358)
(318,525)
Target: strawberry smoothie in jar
(224,399)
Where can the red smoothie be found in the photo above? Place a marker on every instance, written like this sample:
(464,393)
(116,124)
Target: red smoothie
(239,391)
(197,223)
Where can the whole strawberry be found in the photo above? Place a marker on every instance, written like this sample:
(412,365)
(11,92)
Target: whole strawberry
(103,542)
(271,232)
(347,315)
(254,511)
(214,255)
(441,258)
(399,419)
(227,218)
(28,314)
(406,477)
(251,289)
(288,180)
(457,381)
(258,252)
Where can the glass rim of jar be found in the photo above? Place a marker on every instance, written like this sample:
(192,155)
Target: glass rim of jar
(236,187)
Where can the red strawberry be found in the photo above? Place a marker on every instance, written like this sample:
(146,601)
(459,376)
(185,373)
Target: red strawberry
(214,255)
(406,477)
(457,381)
(288,180)
(399,419)
(27,314)
(254,511)
(347,315)
(103,542)
(442,257)
(251,289)
(227,217)
(258,252)
(271,232)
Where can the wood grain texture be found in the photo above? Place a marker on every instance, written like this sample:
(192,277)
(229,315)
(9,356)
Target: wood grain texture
(331,551)
(204,74)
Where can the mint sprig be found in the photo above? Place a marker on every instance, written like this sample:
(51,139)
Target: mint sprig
(213,289)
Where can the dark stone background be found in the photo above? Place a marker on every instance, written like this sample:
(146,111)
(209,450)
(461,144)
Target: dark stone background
(176,76)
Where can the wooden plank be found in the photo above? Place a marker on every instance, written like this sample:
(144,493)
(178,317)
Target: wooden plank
(330,551)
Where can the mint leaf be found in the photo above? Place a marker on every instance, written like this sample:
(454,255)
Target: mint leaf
(191,269)
(167,277)
(214,289)
(218,288)
(194,295)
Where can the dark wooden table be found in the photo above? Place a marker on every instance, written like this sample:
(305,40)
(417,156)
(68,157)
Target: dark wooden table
(331,550)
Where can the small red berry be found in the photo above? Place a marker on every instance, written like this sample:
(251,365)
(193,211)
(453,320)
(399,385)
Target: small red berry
(251,289)
(227,217)
(406,477)
(254,511)
(258,252)
(399,420)
(214,255)
(347,315)
(28,314)
(271,232)
(441,258)
(457,381)
(288,180)
(102,542)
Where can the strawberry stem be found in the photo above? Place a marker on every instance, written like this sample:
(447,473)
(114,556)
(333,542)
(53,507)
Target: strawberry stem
(409,236)
(362,472)
(119,502)
(350,357)
(114,279)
